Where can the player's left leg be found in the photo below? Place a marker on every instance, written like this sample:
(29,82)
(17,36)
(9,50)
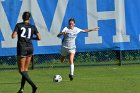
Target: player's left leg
(21,63)
(27,62)
(22,85)
(71,62)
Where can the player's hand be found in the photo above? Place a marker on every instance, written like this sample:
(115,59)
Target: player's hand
(64,33)
(96,29)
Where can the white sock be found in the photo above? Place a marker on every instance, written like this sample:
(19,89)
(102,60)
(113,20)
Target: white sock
(71,69)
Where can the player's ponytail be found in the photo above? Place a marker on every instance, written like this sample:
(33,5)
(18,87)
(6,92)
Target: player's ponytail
(26,16)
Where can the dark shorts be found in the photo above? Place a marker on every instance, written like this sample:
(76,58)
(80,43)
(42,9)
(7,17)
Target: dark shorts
(27,51)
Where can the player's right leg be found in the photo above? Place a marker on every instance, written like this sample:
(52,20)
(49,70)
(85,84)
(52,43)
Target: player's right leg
(28,60)
(63,59)
(63,54)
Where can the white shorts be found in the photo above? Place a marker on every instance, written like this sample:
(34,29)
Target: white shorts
(66,51)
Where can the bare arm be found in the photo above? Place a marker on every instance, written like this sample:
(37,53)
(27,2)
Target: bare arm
(38,37)
(89,30)
(14,34)
(61,33)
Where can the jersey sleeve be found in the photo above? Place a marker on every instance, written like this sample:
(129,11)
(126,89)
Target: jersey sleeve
(78,30)
(35,30)
(64,30)
(16,28)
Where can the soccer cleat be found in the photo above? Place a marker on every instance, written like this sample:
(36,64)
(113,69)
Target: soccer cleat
(20,91)
(34,89)
(71,77)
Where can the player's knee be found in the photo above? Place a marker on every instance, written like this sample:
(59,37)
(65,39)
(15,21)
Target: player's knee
(62,59)
(21,69)
(26,69)
(71,62)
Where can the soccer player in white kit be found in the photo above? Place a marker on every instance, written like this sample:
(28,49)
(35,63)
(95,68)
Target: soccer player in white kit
(68,43)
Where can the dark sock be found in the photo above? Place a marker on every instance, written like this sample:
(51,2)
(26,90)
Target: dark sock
(22,83)
(34,89)
(27,78)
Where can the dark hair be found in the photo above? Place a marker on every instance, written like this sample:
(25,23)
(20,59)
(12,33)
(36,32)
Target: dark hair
(26,16)
(72,19)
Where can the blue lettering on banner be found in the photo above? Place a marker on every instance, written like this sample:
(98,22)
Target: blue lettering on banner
(118,22)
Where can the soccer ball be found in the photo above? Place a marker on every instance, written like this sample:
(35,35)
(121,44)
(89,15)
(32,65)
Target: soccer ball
(57,78)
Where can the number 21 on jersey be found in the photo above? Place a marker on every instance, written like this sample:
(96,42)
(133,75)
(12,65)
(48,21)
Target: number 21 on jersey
(24,31)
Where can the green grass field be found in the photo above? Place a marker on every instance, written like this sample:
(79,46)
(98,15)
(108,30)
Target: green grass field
(92,79)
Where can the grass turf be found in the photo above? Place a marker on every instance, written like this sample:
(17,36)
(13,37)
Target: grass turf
(93,79)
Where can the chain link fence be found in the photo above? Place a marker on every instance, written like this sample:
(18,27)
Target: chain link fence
(81,59)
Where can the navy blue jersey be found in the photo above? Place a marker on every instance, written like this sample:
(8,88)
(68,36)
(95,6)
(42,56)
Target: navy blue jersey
(25,33)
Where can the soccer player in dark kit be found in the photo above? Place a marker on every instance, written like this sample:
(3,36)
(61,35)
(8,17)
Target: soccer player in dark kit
(25,31)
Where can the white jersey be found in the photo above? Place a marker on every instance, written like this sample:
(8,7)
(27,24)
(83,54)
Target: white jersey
(69,38)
